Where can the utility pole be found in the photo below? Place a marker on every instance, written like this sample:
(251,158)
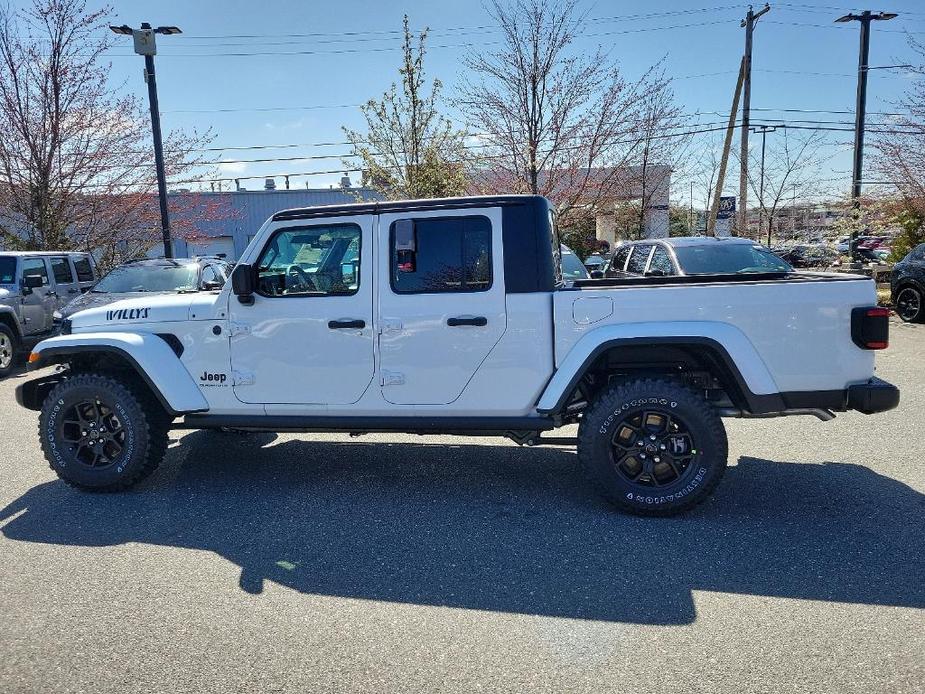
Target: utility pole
(145,45)
(860,111)
(763,130)
(749,24)
(720,177)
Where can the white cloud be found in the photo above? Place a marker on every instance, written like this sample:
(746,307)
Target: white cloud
(232,167)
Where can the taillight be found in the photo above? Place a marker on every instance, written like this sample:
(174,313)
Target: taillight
(870,327)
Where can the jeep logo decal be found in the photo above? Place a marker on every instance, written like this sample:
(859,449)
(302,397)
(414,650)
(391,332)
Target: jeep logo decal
(127,314)
(213,378)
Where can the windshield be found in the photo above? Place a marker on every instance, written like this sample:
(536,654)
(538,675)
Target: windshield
(731,259)
(7,270)
(150,278)
(572,268)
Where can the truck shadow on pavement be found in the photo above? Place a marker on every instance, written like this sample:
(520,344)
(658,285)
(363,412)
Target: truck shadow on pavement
(499,528)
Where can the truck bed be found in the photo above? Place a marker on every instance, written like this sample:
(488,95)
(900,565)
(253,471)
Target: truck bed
(796,326)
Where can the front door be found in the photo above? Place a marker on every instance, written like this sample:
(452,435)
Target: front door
(442,308)
(40,303)
(308,336)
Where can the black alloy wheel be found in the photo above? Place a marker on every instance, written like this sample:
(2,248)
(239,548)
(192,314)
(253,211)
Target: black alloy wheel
(909,305)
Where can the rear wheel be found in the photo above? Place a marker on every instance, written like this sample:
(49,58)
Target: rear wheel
(652,447)
(100,433)
(909,305)
(8,347)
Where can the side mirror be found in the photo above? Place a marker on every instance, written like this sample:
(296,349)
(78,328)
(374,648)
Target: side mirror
(597,274)
(243,283)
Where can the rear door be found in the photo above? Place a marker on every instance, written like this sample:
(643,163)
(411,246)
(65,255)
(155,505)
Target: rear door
(86,275)
(65,281)
(441,303)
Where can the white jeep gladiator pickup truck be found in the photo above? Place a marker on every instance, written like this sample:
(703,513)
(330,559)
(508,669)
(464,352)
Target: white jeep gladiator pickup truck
(450,316)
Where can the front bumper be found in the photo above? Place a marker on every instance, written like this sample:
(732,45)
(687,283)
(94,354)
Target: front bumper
(874,396)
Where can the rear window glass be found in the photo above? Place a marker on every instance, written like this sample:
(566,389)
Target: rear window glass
(729,259)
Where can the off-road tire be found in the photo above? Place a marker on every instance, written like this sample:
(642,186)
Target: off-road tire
(619,409)
(9,344)
(144,426)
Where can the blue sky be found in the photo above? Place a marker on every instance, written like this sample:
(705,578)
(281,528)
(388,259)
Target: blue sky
(801,61)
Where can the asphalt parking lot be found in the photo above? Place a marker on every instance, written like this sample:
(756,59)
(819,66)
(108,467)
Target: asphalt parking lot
(268,563)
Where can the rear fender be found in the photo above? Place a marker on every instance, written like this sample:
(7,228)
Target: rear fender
(728,342)
(150,355)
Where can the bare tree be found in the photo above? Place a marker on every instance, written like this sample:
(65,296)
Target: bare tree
(409,149)
(76,165)
(555,121)
(900,160)
(791,171)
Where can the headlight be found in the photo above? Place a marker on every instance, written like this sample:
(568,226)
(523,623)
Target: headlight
(56,316)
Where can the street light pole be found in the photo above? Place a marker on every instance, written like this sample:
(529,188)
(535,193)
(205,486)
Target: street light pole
(860,111)
(145,45)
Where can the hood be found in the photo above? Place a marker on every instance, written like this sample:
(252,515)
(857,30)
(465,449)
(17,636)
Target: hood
(143,309)
(94,300)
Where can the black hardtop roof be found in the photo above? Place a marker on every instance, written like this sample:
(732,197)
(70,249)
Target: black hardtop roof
(384,206)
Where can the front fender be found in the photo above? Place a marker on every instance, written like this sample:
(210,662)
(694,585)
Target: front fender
(729,342)
(149,354)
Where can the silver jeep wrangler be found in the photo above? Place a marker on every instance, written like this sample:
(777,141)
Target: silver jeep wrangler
(33,285)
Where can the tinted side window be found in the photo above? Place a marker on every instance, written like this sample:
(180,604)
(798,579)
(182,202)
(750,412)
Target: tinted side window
(61,269)
(35,266)
(661,261)
(84,271)
(638,259)
(452,254)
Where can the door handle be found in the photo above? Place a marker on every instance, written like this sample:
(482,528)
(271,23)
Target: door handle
(467,320)
(346,324)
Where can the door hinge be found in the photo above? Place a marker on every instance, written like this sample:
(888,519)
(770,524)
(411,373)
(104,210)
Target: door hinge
(239,329)
(242,378)
(391,378)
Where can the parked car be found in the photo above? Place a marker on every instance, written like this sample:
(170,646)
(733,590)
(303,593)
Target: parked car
(33,286)
(595,263)
(807,255)
(572,267)
(907,286)
(693,255)
(458,324)
(151,276)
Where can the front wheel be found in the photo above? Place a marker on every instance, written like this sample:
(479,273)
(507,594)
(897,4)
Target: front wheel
(652,447)
(8,346)
(100,433)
